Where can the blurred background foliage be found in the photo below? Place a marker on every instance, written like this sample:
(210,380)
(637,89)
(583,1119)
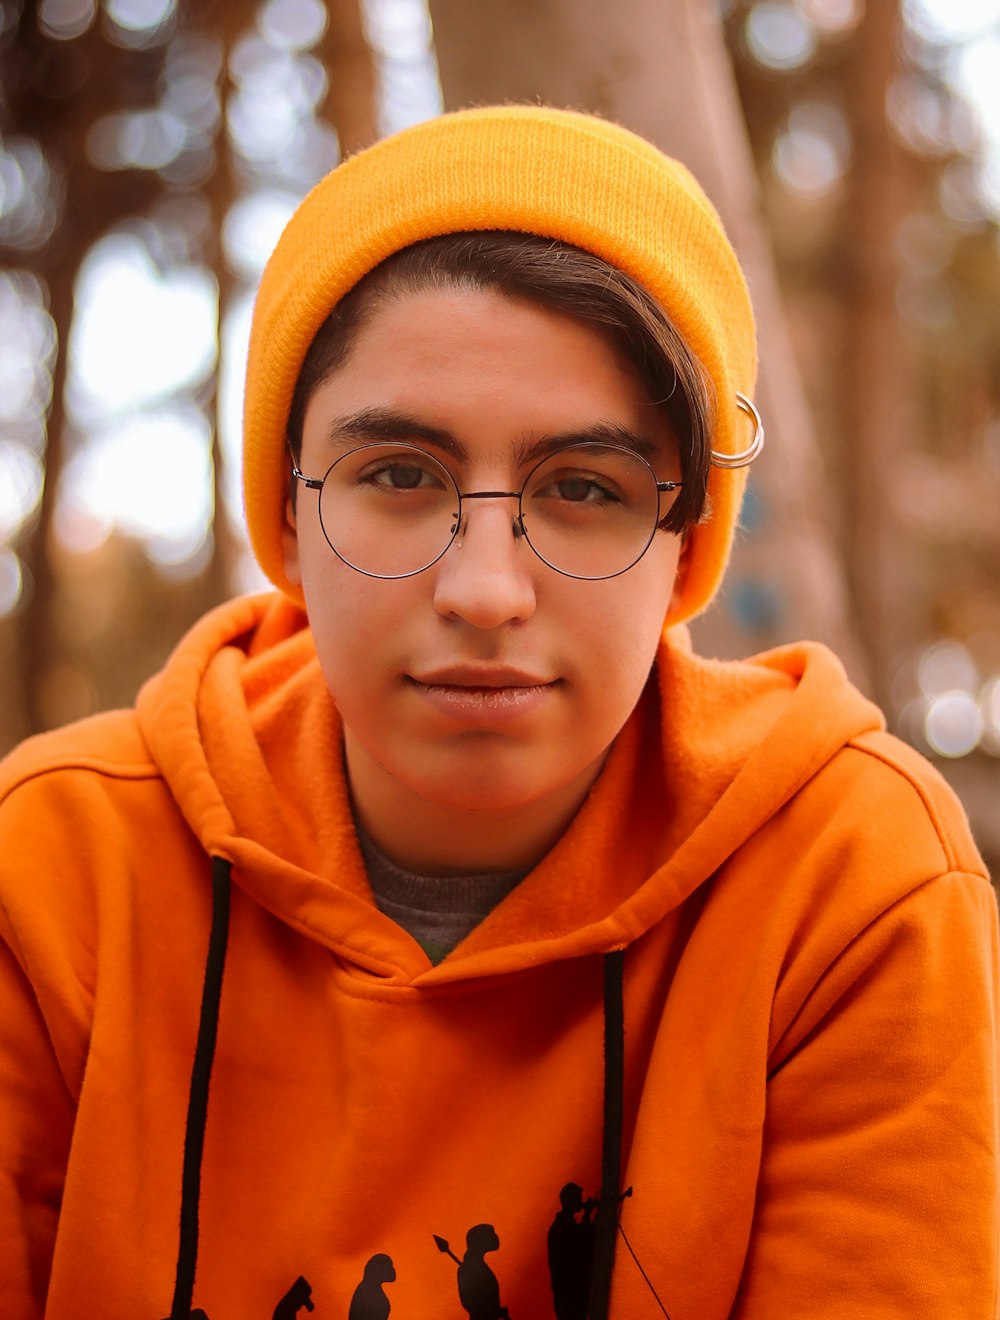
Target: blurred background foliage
(150,151)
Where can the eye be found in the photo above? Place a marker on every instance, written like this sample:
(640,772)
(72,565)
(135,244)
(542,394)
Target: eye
(590,480)
(401,473)
(577,488)
(581,489)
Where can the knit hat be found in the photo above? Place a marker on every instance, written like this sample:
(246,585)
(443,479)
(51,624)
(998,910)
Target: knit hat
(555,173)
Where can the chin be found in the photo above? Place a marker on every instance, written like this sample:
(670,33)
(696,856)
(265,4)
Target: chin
(506,785)
(478,794)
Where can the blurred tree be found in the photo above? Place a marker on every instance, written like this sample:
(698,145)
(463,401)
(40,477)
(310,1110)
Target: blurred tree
(351,103)
(171,123)
(876,400)
(48,88)
(887,252)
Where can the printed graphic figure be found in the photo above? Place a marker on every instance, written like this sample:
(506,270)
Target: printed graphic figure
(369,1301)
(571,1247)
(298,1296)
(478,1289)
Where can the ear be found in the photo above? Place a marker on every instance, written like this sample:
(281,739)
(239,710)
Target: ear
(680,575)
(290,545)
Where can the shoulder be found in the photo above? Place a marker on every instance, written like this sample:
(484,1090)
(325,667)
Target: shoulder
(87,826)
(869,787)
(874,851)
(890,785)
(87,757)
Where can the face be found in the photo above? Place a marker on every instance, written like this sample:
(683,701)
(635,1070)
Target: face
(489,683)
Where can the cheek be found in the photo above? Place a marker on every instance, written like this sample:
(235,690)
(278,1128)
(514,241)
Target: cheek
(616,635)
(357,625)
(629,615)
(642,629)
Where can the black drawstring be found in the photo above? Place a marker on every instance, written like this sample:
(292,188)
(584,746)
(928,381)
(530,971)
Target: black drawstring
(606,1220)
(194,1133)
(647,1280)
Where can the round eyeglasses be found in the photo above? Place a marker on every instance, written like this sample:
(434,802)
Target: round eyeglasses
(589,511)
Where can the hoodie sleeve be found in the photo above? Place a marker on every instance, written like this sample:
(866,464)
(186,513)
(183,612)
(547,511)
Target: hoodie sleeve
(879,1178)
(47,941)
(36,1123)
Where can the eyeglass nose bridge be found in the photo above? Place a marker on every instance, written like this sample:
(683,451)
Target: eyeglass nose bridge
(518,522)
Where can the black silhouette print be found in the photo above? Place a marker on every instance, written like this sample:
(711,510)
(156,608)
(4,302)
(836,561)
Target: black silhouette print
(298,1296)
(478,1290)
(369,1301)
(571,1248)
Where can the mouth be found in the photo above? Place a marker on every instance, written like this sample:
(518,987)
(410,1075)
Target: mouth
(473,693)
(474,678)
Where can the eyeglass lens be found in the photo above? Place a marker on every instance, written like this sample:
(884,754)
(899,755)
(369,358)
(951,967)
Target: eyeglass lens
(588,511)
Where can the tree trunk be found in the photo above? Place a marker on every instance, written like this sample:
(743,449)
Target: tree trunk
(875,389)
(352,100)
(663,71)
(60,126)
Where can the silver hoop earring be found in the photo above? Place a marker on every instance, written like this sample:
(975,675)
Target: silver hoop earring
(748,455)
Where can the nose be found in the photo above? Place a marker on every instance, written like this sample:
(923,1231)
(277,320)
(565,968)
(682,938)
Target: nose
(486,576)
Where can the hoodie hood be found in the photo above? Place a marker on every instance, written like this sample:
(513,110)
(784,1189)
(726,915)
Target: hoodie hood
(245,732)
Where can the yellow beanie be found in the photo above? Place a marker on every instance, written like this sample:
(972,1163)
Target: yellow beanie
(555,173)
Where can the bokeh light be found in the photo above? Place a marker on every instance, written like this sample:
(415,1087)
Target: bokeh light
(950,20)
(953,724)
(946,666)
(990,706)
(832,17)
(139,333)
(150,477)
(398,29)
(811,155)
(271,117)
(139,15)
(927,120)
(252,227)
(20,486)
(955,714)
(66,19)
(11,582)
(399,33)
(30,195)
(292,25)
(138,139)
(27,345)
(779,36)
(139,24)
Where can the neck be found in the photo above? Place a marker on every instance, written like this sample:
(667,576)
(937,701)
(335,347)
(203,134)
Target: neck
(432,837)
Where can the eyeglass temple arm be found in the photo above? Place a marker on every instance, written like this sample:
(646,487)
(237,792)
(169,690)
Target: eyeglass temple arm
(312,483)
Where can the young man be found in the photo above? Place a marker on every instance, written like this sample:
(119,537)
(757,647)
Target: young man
(461,943)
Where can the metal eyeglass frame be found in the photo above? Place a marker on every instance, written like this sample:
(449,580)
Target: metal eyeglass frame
(730,462)
(519,529)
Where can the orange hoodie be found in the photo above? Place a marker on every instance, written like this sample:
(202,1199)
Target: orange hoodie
(786,1082)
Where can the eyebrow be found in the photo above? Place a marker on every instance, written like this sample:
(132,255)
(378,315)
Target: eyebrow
(387,424)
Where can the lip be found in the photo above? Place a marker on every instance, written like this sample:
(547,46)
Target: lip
(483,696)
(480,677)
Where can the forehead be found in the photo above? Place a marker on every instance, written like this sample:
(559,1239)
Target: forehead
(490,371)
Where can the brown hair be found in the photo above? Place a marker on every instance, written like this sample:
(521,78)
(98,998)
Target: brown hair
(557,276)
